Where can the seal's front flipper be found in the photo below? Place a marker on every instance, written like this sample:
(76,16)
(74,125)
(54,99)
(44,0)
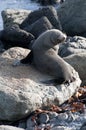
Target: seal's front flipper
(28,59)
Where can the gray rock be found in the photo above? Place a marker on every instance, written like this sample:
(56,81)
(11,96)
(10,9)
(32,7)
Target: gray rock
(6,127)
(22,124)
(62,116)
(12,16)
(39,26)
(30,123)
(49,12)
(54,122)
(78,61)
(83,128)
(14,36)
(72,16)
(30,128)
(21,91)
(73,45)
(52,115)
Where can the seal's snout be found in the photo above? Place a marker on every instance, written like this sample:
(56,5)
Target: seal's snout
(64,37)
(61,38)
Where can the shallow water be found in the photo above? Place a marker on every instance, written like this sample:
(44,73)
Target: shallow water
(16,4)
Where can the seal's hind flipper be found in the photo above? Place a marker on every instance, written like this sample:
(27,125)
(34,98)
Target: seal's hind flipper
(58,81)
(28,59)
(53,81)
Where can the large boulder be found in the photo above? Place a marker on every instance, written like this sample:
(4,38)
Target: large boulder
(39,26)
(12,16)
(14,36)
(72,15)
(78,61)
(49,12)
(21,89)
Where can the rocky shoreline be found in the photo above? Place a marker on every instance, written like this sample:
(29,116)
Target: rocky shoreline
(22,94)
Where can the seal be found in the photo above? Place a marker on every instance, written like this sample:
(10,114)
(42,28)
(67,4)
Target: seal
(45,58)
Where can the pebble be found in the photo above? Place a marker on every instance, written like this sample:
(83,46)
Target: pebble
(62,116)
(70,117)
(52,114)
(43,118)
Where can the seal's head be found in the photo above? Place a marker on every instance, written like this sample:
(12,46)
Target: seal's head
(57,36)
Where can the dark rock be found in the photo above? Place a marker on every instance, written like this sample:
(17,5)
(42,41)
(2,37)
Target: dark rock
(72,15)
(83,127)
(43,118)
(48,2)
(49,12)
(39,26)
(1,47)
(14,36)
(22,124)
(30,123)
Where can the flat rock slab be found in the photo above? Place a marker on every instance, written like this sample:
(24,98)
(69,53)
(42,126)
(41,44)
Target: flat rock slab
(21,91)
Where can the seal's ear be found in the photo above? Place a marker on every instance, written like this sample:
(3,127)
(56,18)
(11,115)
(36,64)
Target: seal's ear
(28,59)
